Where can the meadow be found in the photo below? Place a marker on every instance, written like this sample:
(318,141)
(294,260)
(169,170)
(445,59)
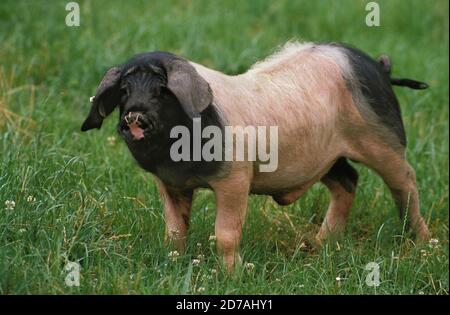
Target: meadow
(72,197)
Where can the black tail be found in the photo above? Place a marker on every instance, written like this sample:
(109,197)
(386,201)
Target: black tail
(413,84)
(385,63)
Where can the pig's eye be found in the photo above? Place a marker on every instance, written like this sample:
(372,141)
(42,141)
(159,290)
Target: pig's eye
(123,90)
(123,93)
(155,92)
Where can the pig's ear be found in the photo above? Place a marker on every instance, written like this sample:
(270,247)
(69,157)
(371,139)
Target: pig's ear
(191,90)
(385,63)
(105,100)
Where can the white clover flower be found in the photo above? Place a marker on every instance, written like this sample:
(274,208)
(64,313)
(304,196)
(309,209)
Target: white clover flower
(199,244)
(195,262)
(22,230)
(424,253)
(200,257)
(10,204)
(434,242)
(174,255)
(111,140)
(249,266)
(212,238)
(201,289)
(213,271)
(31,199)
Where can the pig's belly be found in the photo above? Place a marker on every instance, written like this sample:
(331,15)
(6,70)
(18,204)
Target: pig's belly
(293,173)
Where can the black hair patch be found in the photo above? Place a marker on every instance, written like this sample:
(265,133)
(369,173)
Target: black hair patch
(375,86)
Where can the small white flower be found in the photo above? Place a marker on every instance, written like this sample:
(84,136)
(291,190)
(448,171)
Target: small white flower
(199,244)
(339,279)
(201,289)
(174,255)
(22,230)
(278,280)
(195,262)
(421,293)
(10,204)
(111,140)
(200,257)
(212,238)
(424,253)
(434,242)
(249,266)
(213,271)
(31,199)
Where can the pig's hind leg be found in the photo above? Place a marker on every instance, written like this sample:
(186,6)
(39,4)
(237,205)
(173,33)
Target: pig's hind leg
(341,181)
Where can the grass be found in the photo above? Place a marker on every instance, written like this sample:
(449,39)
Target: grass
(95,206)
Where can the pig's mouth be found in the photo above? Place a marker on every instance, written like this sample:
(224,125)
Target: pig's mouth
(136,126)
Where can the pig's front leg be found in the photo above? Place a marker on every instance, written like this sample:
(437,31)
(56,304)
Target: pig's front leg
(177,211)
(231,200)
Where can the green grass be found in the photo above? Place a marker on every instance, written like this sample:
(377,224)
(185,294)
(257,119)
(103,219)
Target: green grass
(95,206)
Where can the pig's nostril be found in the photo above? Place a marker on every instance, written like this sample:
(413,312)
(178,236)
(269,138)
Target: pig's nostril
(124,125)
(143,124)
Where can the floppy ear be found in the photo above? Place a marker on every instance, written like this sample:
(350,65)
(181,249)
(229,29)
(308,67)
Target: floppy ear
(191,90)
(105,100)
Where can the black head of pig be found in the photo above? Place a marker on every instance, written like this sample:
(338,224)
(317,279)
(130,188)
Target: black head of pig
(154,91)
